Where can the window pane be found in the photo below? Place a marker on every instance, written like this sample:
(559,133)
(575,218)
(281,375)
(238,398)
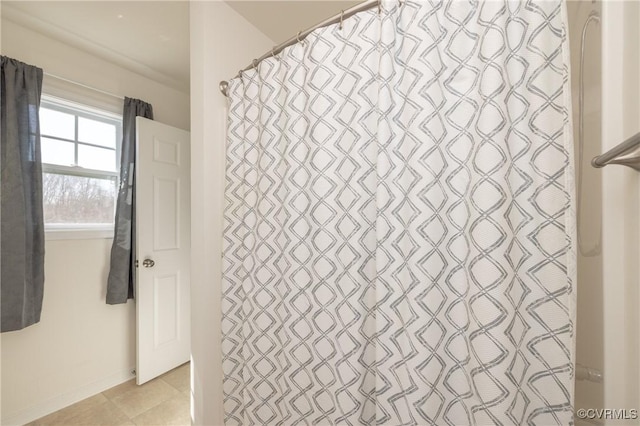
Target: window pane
(91,157)
(57,152)
(96,132)
(56,123)
(78,199)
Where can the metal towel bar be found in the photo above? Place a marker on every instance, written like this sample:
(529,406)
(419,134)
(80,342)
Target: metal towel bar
(625,154)
(588,373)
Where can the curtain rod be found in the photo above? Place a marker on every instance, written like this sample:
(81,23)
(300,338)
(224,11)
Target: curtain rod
(57,77)
(361,7)
(621,154)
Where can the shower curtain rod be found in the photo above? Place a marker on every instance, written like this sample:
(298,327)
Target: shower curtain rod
(621,154)
(361,7)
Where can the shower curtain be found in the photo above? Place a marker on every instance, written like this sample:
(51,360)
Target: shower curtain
(399,240)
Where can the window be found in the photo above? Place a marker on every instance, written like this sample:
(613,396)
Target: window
(80,150)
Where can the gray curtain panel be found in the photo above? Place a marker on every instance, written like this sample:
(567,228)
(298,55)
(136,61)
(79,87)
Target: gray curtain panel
(22,218)
(120,284)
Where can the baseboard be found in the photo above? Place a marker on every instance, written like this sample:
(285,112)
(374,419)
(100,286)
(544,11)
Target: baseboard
(59,402)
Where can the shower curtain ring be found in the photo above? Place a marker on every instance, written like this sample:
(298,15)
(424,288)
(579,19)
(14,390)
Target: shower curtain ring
(298,37)
(341,18)
(379,7)
(273,52)
(255,64)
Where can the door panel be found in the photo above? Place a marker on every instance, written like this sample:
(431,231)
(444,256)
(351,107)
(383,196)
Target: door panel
(166,214)
(163,249)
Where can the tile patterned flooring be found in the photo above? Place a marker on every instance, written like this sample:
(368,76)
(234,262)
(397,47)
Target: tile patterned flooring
(161,401)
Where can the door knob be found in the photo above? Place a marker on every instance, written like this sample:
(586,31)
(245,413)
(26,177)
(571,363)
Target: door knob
(148,263)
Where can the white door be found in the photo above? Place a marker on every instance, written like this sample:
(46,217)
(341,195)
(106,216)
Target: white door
(162,248)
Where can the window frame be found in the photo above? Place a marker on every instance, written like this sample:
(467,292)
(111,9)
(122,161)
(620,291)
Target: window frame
(63,231)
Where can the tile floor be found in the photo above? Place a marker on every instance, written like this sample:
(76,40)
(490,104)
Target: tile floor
(162,401)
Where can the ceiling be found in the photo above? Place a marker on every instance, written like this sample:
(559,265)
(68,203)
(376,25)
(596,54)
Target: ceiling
(152,37)
(281,20)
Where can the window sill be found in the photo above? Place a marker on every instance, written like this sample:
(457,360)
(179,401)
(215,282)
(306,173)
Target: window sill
(79,233)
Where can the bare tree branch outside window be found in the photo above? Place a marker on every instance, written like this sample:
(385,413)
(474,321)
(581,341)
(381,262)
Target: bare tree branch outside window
(77,199)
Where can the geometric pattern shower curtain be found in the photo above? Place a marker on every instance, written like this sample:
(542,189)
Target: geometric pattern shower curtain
(399,241)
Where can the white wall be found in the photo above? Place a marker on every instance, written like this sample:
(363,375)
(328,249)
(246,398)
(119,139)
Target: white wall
(621,196)
(170,106)
(81,345)
(222,42)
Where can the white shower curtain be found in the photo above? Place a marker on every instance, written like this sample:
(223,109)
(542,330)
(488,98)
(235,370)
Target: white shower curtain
(399,237)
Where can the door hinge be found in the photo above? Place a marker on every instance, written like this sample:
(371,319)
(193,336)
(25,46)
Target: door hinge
(136,263)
